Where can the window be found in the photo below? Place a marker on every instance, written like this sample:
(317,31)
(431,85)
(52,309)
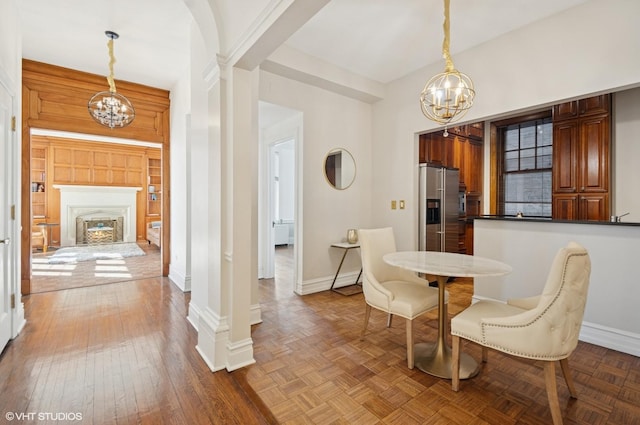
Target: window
(526,167)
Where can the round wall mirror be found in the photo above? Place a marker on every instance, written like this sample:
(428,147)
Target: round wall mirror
(339,168)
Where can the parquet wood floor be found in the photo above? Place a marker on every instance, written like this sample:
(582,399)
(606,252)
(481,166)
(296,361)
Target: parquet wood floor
(123,353)
(312,368)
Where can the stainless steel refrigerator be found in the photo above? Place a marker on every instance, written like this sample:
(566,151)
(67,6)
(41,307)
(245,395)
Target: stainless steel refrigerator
(439,208)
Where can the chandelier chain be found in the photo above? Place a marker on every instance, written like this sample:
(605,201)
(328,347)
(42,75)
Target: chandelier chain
(112,61)
(445,43)
(447,96)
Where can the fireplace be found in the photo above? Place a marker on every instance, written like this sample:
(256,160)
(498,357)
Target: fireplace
(110,213)
(95,229)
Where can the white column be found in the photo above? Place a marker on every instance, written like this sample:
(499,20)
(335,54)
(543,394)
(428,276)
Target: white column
(239,213)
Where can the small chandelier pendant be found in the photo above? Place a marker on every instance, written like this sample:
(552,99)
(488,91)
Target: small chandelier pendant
(110,108)
(449,95)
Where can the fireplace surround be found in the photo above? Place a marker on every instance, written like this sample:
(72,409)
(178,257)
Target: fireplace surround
(97,204)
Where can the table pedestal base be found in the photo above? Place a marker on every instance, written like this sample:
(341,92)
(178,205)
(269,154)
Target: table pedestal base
(435,359)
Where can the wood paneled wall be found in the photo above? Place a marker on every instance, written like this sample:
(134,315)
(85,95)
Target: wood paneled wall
(55,98)
(70,161)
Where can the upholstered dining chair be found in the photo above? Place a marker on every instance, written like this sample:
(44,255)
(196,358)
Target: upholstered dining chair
(391,289)
(545,327)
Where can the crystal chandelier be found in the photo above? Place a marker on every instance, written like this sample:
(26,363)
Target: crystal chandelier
(109,108)
(447,96)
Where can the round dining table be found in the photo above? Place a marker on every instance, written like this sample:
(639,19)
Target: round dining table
(435,358)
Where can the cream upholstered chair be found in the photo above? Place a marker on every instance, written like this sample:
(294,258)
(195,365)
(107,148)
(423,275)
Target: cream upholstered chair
(392,289)
(39,237)
(544,327)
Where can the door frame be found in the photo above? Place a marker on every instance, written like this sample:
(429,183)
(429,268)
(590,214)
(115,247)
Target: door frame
(291,130)
(11,300)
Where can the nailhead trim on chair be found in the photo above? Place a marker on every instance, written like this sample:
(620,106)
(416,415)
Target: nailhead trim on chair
(520,354)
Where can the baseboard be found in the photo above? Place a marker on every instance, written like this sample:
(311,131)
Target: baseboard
(615,339)
(213,337)
(180,280)
(193,316)
(324,284)
(255,314)
(603,336)
(240,354)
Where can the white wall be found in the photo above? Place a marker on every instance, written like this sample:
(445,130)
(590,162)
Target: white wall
(626,154)
(329,121)
(10,42)
(578,60)
(196,170)
(612,318)
(180,122)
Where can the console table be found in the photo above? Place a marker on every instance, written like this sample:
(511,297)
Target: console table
(350,289)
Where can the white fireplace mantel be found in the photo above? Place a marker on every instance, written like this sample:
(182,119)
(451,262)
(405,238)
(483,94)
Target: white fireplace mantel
(77,200)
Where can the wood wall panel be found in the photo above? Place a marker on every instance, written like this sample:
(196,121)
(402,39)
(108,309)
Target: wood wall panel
(55,98)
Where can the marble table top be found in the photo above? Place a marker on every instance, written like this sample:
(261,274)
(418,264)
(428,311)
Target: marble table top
(446,263)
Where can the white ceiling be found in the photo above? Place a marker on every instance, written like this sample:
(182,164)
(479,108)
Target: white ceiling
(379,39)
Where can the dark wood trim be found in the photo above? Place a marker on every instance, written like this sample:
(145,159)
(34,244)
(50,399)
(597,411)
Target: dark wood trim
(524,118)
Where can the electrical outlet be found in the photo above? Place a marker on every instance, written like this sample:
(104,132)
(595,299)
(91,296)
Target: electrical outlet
(393,205)
(402,204)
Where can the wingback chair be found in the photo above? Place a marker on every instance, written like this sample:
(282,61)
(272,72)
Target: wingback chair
(39,237)
(391,289)
(545,327)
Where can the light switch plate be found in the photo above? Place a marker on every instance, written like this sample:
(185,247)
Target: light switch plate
(393,205)
(402,204)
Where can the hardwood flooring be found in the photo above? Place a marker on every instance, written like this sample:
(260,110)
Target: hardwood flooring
(119,353)
(124,353)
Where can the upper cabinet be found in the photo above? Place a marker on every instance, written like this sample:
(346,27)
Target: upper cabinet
(461,149)
(581,158)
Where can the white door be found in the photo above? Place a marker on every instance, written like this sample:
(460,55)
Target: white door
(5,289)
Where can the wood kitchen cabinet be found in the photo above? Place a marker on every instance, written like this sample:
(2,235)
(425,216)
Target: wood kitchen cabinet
(462,149)
(435,149)
(581,159)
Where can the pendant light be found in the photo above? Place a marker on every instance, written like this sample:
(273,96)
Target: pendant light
(110,108)
(449,95)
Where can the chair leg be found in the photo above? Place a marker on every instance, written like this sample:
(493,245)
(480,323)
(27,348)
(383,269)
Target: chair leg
(552,392)
(410,359)
(367,313)
(455,362)
(564,365)
(389,320)
(485,353)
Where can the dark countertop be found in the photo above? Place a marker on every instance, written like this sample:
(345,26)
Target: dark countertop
(549,220)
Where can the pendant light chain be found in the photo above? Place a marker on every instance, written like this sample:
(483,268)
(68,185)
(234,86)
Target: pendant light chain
(445,43)
(112,61)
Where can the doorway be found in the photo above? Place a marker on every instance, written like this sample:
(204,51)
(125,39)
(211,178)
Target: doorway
(93,233)
(282,200)
(279,197)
